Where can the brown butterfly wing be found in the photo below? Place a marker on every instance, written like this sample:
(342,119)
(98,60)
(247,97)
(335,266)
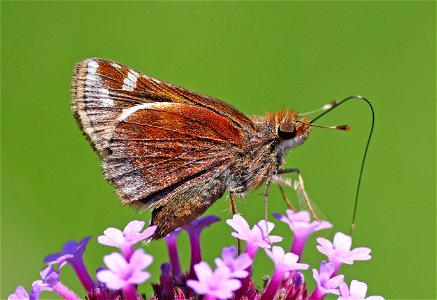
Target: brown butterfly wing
(163,146)
(103,89)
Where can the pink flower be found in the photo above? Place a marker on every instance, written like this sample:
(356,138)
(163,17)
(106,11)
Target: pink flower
(299,223)
(72,253)
(339,252)
(121,273)
(126,239)
(257,237)
(237,266)
(37,287)
(218,284)
(20,294)
(357,291)
(326,284)
(51,280)
(284,262)
(71,250)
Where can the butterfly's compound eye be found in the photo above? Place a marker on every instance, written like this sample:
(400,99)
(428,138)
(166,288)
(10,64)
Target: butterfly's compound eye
(286,131)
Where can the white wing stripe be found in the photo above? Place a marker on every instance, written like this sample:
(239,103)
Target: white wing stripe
(129,111)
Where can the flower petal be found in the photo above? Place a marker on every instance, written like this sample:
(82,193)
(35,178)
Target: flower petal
(115,262)
(114,234)
(326,244)
(344,290)
(334,282)
(111,280)
(146,233)
(361,253)
(133,227)
(239,224)
(197,286)
(342,241)
(358,289)
(139,277)
(140,260)
(203,271)
(19,294)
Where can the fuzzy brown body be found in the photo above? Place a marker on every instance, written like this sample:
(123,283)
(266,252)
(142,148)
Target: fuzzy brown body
(173,150)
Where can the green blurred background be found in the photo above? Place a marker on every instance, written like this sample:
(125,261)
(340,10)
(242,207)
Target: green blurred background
(259,57)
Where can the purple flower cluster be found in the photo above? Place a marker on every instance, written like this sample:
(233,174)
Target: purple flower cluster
(117,281)
(231,278)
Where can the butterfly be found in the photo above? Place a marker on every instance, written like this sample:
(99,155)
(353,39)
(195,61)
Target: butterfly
(174,151)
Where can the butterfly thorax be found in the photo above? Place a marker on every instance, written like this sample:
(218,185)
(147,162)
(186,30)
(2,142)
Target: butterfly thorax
(266,150)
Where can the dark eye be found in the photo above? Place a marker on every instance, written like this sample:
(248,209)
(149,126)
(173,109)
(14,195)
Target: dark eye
(286,131)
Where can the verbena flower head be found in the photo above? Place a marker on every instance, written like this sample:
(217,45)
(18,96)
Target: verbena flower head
(357,291)
(121,273)
(231,279)
(339,252)
(218,283)
(126,239)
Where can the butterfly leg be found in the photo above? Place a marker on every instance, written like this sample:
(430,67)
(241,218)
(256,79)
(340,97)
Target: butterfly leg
(298,186)
(286,200)
(233,205)
(266,198)
(234,211)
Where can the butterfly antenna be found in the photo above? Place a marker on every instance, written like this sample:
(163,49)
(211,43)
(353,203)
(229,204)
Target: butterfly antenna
(334,105)
(323,108)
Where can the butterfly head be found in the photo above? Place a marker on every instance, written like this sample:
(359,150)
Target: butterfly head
(289,129)
(286,128)
(291,132)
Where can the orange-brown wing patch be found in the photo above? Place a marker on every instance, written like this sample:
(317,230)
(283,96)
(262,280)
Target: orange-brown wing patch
(159,147)
(161,91)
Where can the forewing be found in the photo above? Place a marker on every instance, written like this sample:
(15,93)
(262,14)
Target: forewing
(102,90)
(158,150)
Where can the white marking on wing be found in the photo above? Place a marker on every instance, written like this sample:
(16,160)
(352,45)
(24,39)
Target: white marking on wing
(92,63)
(156,80)
(129,111)
(130,82)
(115,65)
(92,77)
(105,98)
